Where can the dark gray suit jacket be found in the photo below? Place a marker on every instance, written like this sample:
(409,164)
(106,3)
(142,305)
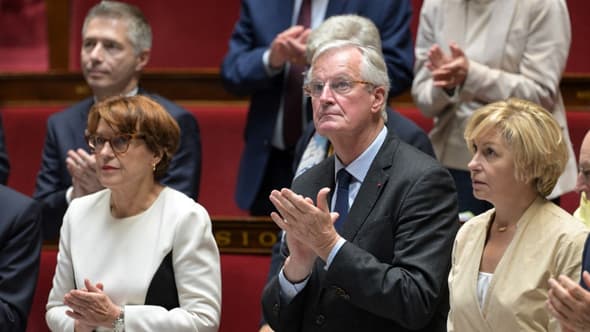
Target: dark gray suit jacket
(391,275)
(20,249)
(4,165)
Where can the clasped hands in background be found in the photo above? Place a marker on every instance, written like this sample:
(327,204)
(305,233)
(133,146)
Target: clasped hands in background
(289,46)
(448,71)
(570,303)
(82,167)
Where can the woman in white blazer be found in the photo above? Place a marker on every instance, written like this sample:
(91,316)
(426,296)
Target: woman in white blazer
(471,53)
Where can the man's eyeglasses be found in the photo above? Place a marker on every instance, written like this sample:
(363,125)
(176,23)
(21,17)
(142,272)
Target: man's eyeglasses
(118,143)
(339,86)
(585,173)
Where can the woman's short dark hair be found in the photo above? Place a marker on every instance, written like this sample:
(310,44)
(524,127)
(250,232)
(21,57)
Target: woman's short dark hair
(140,115)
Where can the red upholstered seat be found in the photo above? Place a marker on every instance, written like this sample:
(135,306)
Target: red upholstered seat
(222,128)
(24,130)
(36,322)
(414,114)
(243,278)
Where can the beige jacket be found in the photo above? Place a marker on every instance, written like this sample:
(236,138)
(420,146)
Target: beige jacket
(548,242)
(516,48)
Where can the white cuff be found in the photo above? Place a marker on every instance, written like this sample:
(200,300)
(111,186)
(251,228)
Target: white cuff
(334,251)
(288,289)
(69,194)
(270,71)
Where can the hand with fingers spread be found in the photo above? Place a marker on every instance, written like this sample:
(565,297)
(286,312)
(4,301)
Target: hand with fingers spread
(306,225)
(447,71)
(570,303)
(82,167)
(289,46)
(90,306)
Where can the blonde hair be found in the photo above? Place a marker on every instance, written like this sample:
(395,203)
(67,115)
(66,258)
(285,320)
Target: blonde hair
(531,133)
(140,115)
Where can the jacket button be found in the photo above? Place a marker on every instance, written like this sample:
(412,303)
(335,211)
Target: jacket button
(320,319)
(275,309)
(342,293)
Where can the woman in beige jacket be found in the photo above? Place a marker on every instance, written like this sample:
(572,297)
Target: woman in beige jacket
(503,258)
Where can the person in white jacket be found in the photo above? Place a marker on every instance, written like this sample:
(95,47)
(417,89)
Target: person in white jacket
(472,53)
(136,256)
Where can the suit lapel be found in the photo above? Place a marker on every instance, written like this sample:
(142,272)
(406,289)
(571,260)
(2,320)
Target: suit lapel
(502,14)
(371,189)
(325,178)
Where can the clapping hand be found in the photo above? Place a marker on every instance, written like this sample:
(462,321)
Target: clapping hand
(82,167)
(90,306)
(448,71)
(570,303)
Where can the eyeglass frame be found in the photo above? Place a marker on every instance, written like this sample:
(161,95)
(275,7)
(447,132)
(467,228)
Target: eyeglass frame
(131,137)
(309,92)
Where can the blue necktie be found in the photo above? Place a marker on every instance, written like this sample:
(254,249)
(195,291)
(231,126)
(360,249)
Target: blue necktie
(343,178)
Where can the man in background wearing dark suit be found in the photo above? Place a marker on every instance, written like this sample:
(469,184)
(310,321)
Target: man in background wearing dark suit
(375,255)
(268,40)
(20,248)
(116,43)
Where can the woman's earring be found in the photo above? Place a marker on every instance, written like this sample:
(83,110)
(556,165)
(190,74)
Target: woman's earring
(154,167)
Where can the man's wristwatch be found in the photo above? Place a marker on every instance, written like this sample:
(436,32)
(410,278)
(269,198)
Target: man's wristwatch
(119,323)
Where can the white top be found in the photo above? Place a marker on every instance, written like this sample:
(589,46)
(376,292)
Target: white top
(124,254)
(548,242)
(483,283)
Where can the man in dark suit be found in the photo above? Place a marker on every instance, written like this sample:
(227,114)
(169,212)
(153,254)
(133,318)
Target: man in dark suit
(263,47)
(116,43)
(381,262)
(313,148)
(4,165)
(20,248)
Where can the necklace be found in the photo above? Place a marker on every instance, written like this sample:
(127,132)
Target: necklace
(502,228)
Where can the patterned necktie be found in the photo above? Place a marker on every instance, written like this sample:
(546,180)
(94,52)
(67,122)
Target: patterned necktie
(343,179)
(293,100)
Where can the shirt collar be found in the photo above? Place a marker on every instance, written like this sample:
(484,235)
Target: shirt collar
(359,167)
(130,94)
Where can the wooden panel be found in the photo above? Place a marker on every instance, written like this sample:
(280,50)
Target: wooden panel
(194,85)
(249,235)
(58,28)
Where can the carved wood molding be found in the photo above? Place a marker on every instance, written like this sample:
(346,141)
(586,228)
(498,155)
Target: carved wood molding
(235,235)
(194,85)
(245,235)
